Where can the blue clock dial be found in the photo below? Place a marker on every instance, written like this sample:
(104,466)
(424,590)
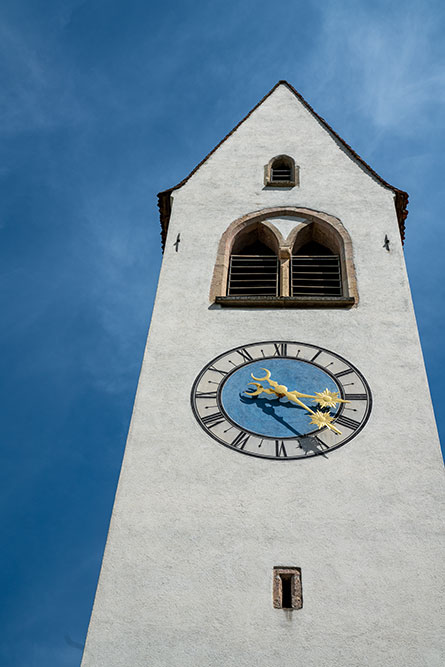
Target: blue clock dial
(281,400)
(269,415)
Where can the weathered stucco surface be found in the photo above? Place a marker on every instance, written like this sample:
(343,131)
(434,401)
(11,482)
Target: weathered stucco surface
(197,528)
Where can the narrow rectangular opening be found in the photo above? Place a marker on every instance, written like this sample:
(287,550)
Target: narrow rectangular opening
(287,581)
(287,589)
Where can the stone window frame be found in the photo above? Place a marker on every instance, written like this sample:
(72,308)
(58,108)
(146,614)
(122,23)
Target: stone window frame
(318,226)
(297,589)
(295,173)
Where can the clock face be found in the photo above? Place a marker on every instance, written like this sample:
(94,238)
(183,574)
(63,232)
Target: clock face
(281,400)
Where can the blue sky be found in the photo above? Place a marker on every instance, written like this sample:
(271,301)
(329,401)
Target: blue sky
(104,103)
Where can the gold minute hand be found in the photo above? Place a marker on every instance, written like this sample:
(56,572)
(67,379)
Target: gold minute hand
(325,398)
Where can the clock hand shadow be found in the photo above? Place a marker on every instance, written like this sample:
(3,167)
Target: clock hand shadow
(309,444)
(266,405)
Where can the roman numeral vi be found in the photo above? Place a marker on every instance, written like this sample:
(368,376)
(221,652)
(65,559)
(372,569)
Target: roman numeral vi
(280,449)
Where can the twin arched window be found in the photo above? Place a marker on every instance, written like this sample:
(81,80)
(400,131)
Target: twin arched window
(314,270)
(313,266)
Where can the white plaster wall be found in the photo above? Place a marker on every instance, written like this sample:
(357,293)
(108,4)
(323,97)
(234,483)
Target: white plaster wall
(197,528)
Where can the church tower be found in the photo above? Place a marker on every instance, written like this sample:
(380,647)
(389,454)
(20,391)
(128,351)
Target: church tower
(280,502)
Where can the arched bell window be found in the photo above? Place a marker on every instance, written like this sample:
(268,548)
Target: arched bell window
(263,261)
(253,268)
(316,271)
(281,171)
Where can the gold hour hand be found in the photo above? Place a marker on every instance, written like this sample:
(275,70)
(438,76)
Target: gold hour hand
(300,395)
(328,399)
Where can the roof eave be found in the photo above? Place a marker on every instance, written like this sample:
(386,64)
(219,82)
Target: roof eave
(400,197)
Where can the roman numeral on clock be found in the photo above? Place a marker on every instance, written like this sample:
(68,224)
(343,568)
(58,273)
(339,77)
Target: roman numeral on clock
(213,420)
(346,372)
(346,421)
(205,394)
(217,370)
(280,349)
(240,440)
(280,449)
(355,397)
(245,354)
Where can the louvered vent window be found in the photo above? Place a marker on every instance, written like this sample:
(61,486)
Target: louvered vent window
(255,272)
(316,272)
(281,171)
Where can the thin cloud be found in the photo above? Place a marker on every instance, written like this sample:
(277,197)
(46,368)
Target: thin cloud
(35,94)
(384,65)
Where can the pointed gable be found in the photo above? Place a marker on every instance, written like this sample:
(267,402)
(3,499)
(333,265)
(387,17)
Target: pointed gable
(400,197)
